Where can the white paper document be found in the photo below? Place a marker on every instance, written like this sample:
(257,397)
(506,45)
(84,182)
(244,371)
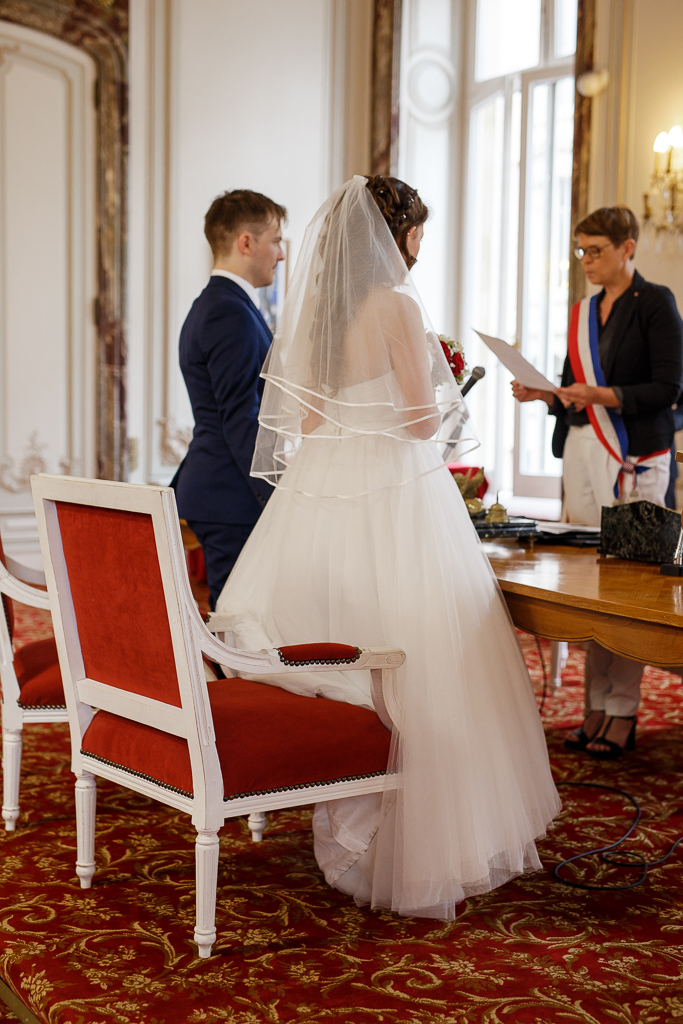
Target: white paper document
(519,367)
(553,526)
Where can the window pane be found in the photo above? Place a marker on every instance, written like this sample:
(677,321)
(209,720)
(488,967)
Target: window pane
(509,318)
(566,17)
(548,227)
(485,232)
(486,176)
(508,37)
(505,427)
(560,226)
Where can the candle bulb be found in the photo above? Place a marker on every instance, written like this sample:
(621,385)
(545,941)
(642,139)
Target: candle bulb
(661,149)
(676,143)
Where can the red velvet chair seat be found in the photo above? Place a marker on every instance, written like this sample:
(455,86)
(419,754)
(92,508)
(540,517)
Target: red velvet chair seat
(283,741)
(40,681)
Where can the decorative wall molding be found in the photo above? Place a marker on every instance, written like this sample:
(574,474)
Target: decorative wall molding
(32,462)
(431,86)
(8,51)
(47,339)
(100,28)
(174,441)
(432,145)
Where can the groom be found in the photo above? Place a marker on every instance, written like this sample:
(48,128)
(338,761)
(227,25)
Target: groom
(223,344)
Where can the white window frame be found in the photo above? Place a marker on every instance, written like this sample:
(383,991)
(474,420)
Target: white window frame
(550,69)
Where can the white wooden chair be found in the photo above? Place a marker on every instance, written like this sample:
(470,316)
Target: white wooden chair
(130,642)
(32,688)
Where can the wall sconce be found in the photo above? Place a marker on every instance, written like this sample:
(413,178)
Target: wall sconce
(664,201)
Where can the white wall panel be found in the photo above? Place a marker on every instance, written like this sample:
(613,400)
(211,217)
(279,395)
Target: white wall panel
(47,259)
(224,94)
(35,241)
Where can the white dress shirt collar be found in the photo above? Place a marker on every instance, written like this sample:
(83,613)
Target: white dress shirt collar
(245,285)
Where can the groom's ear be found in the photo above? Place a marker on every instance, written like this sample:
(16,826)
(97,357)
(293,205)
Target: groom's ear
(244,243)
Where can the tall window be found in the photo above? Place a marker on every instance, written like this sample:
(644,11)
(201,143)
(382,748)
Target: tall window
(515,246)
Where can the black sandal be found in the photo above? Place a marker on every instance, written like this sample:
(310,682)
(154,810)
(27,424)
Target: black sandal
(615,750)
(578,739)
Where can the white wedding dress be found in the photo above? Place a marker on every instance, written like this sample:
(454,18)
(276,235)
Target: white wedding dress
(402,566)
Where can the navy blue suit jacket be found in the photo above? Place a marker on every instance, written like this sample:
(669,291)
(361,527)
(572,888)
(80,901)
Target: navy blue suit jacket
(223,344)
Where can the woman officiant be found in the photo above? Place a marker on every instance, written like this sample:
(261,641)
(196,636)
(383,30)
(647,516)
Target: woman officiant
(614,430)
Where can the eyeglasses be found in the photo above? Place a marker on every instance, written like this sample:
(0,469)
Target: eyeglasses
(593,252)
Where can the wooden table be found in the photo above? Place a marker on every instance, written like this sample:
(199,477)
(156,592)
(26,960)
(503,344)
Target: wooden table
(564,593)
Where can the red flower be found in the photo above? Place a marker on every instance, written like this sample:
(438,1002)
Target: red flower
(455,359)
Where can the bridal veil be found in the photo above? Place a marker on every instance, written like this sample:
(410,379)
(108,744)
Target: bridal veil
(336,334)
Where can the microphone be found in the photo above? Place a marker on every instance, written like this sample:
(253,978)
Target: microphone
(477,373)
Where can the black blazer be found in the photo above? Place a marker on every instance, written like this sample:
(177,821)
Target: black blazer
(223,344)
(646,362)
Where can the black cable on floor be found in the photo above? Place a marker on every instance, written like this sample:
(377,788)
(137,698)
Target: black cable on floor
(545,676)
(609,858)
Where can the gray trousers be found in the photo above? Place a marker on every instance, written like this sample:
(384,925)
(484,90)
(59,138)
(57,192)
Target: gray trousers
(612,682)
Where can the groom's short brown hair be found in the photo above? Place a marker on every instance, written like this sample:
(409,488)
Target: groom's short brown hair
(239,210)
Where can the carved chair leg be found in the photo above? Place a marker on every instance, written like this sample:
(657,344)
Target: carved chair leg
(11,771)
(86,799)
(206,880)
(257,822)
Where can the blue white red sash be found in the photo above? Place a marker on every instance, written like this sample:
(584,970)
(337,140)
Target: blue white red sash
(607,423)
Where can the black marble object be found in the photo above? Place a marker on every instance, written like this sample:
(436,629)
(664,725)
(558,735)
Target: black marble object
(639,531)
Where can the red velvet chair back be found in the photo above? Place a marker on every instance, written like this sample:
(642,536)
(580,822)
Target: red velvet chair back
(118,599)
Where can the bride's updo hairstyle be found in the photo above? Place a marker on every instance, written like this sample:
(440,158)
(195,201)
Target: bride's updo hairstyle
(401,207)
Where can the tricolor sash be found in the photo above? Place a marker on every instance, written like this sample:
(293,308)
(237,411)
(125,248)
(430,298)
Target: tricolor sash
(607,423)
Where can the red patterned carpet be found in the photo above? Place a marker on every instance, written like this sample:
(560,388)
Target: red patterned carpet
(292,951)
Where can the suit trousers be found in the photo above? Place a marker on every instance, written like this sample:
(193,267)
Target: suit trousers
(221,545)
(612,681)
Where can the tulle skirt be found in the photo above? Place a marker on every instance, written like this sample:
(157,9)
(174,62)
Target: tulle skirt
(402,566)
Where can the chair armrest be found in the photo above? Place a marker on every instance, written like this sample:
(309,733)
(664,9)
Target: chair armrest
(217,623)
(382,663)
(25,573)
(271,660)
(22,592)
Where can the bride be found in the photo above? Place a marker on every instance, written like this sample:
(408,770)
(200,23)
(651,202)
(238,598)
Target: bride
(366,540)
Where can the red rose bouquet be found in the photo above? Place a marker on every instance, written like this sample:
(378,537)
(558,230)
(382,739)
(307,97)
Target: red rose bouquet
(455,357)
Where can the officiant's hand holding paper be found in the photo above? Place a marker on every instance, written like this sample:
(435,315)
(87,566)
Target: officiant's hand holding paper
(524,394)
